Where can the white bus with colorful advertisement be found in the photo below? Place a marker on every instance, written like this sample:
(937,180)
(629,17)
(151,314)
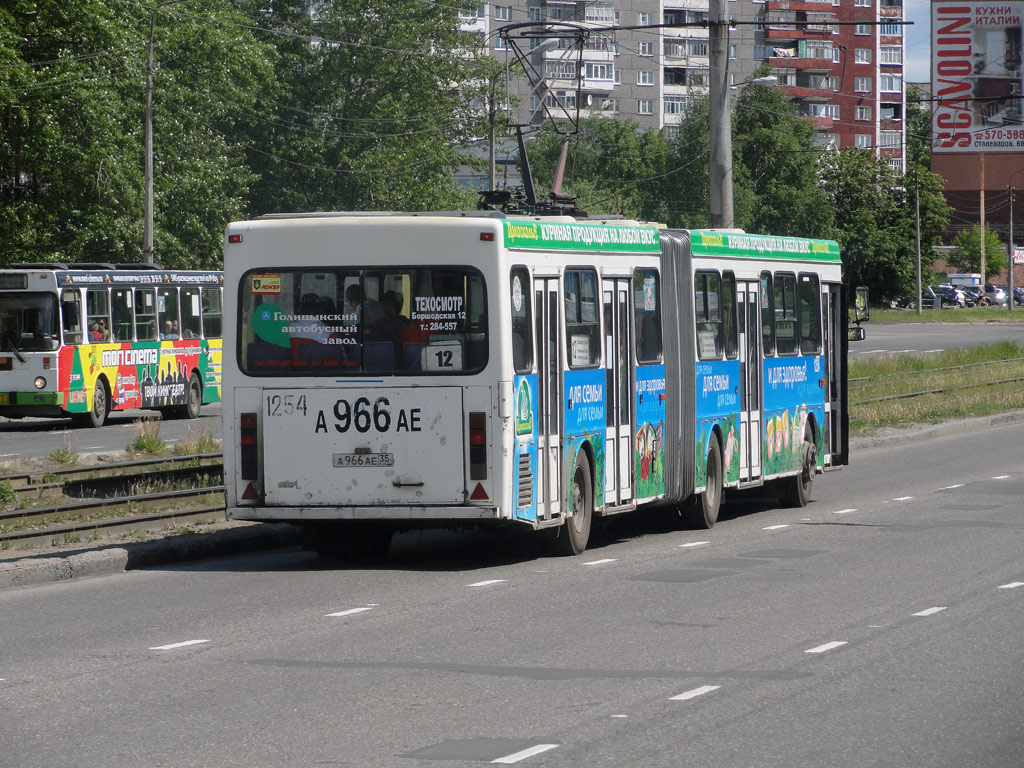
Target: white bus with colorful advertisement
(395,371)
(83,340)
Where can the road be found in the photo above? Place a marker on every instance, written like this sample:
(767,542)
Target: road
(880,626)
(33,438)
(916,338)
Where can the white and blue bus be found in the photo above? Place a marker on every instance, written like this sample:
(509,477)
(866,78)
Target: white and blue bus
(394,371)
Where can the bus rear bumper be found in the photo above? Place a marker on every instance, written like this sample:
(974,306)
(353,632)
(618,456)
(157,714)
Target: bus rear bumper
(405,514)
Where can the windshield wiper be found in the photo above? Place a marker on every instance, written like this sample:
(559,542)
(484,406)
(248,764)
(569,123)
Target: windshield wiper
(13,348)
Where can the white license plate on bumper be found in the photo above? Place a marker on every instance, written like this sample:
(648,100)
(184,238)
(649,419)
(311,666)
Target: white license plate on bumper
(346,460)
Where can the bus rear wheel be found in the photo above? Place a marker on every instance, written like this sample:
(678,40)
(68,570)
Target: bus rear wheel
(97,415)
(193,399)
(799,487)
(574,533)
(704,511)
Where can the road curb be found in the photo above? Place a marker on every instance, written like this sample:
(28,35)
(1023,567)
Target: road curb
(42,569)
(903,435)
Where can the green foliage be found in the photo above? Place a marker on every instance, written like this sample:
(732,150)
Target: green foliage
(968,258)
(147,439)
(7,493)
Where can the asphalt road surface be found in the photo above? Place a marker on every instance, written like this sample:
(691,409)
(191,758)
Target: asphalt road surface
(917,338)
(883,625)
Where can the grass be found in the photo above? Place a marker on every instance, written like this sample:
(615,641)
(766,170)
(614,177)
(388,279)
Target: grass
(203,442)
(966,315)
(147,440)
(954,368)
(66,456)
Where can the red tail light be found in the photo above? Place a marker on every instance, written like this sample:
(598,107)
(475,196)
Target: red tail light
(249,441)
(477,446)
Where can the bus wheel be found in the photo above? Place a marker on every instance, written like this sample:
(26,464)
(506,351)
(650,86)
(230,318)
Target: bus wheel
(574,533)
(193,399)
(704,510)
(100,404)
(798,487)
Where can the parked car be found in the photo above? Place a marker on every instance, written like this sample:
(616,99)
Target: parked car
(945,295)
(975,296)
(996,294)
(1018,295)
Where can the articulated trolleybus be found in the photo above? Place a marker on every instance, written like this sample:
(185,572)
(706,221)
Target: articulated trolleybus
(83,340)
(396,371)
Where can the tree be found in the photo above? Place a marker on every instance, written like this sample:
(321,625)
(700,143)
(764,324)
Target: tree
(967,258)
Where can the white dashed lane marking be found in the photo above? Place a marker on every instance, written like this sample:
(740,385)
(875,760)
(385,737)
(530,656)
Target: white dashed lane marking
(774,527)
(1001,477)
(350,611)
(826,646)
(1012,585)
(525,753)
(951,487)
(844,511)
(486,583)
(602,562)
(694,544)
(172,646)
(692,694)
(929,611)
(903,498)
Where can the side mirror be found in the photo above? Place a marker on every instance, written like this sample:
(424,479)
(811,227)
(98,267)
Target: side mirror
(856,333)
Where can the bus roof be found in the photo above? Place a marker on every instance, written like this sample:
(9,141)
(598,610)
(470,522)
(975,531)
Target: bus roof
(103,274)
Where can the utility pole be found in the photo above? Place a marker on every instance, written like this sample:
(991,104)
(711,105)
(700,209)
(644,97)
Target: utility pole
(981,237)
(917,235)
(147,236)
(1009,248)
(720,211)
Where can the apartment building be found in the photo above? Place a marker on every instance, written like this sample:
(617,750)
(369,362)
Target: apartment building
(840,60)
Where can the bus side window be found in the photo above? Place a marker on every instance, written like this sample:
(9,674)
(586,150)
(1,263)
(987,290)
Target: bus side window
(191,324)
(124,320)
(767,316)
(707,309)
(97,304)
(145,314)
(211,313)
(729,322)
(522,321)
(785,313)
(647,315)
(582,324)
(167,306)
(809,314)
(71,309)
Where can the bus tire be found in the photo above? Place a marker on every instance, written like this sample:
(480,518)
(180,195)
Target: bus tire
(574,533)
(193,399)
(799,486)
(100,409)
(704,511)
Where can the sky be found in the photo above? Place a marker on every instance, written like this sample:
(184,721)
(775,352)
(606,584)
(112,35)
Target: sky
(915,67)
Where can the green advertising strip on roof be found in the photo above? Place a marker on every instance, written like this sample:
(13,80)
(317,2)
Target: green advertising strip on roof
(569,236)
(738,244)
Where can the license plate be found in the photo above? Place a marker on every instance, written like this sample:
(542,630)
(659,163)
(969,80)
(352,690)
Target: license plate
(363,459)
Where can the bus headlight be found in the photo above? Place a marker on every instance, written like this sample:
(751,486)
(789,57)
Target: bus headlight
(40,382)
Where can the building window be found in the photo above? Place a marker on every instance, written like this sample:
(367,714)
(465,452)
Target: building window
(890,83)
(823,110)
(862,29)
(502,12)
(862,3)
(676,105)
(891,54)
(643,19)
(863,113)
(698,47)
(862,56)
(862,84)
(862,141)
(890,140)
(645,49)
(645,77)
(644,107)
(597,70)
(892,29)
(890,111)
(534,13)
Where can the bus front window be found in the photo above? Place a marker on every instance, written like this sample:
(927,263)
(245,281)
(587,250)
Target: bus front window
(29,322)
(393,320)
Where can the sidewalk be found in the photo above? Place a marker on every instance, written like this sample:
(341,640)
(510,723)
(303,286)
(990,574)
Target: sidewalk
(76,561)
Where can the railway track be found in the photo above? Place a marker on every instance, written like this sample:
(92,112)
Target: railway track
(101,501)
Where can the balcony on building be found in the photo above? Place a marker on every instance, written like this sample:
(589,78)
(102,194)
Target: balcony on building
(781,26)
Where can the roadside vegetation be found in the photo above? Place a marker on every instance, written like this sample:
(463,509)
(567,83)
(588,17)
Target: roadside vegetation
(955,384)
(963,315)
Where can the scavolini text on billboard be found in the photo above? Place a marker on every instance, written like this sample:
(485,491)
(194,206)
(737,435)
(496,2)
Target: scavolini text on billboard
(976,80)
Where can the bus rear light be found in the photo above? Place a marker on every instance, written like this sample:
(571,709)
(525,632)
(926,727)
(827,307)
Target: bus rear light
(487,237)
(479,494)
(234,239)
(250,469)
(46,363)
(477,445)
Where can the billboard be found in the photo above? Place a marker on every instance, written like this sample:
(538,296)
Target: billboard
(976,76)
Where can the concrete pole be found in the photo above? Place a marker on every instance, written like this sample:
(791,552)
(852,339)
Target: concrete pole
(720,211)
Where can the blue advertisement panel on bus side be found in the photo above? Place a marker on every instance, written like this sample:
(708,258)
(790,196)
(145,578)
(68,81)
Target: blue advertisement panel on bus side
(794,392)
(524,465)
(718,403)
(583,415)
(649,440)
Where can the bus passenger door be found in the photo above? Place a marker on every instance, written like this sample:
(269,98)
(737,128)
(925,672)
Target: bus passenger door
(618,400)
(549,384)
(750,379)
(833,350)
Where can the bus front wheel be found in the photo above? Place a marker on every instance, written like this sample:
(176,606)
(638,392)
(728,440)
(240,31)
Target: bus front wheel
(574,533)
(798,487)
(704,512)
